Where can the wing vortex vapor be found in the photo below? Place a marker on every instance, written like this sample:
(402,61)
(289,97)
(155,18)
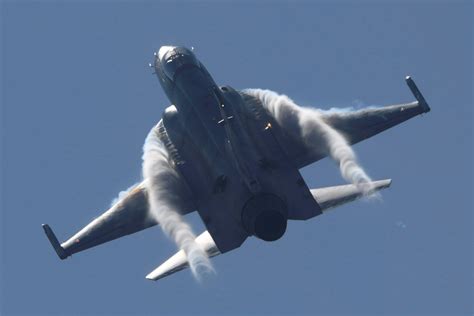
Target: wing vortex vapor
(161,181)
(308,124)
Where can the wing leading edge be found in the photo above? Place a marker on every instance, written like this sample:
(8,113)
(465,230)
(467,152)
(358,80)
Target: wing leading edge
(359,125)
(365,123)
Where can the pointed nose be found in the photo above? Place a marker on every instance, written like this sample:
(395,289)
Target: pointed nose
(163,50)
(171,59)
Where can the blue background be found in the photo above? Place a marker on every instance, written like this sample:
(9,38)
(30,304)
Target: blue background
(78,100)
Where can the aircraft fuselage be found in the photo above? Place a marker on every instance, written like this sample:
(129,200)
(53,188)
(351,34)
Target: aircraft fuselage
(228,163)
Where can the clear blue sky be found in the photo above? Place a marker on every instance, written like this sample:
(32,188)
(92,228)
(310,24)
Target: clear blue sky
(78,100)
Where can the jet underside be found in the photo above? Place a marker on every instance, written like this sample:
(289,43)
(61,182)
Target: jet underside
(239,167)
(226,178)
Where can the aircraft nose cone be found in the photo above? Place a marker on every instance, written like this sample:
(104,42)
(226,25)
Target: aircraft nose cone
(171,59)
(163,50)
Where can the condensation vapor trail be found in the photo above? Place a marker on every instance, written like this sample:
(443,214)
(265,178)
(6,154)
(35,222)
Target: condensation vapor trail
(308,124)
(162,183)
(123,194)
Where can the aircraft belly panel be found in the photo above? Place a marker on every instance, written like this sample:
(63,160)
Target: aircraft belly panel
(276,170)
(222,215)
(286,181)
(219,193)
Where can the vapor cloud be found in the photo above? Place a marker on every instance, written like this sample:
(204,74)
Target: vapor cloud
(162,181)
(123,194)
(308,124)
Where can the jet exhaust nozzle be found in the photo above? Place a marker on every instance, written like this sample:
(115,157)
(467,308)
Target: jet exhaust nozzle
(265,216)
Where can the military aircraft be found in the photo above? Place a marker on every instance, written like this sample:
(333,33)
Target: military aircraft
(240,167)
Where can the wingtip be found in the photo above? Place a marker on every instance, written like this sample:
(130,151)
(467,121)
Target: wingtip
(382,184)
(417,94)
(60,251)
(154,276)
(148,277)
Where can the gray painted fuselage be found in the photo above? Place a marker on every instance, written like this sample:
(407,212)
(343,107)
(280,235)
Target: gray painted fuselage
(229,157)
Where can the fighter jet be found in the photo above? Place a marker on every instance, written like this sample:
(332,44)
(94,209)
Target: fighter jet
(239,166)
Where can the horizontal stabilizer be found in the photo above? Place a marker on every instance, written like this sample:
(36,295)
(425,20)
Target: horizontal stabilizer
(179,261)
(331,197)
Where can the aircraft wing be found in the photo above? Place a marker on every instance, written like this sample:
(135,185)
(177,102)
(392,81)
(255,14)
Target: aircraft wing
(358,125)
(327,198)
(127,216)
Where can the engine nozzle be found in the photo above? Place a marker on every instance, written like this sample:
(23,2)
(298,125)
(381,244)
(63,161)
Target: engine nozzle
(265,216)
